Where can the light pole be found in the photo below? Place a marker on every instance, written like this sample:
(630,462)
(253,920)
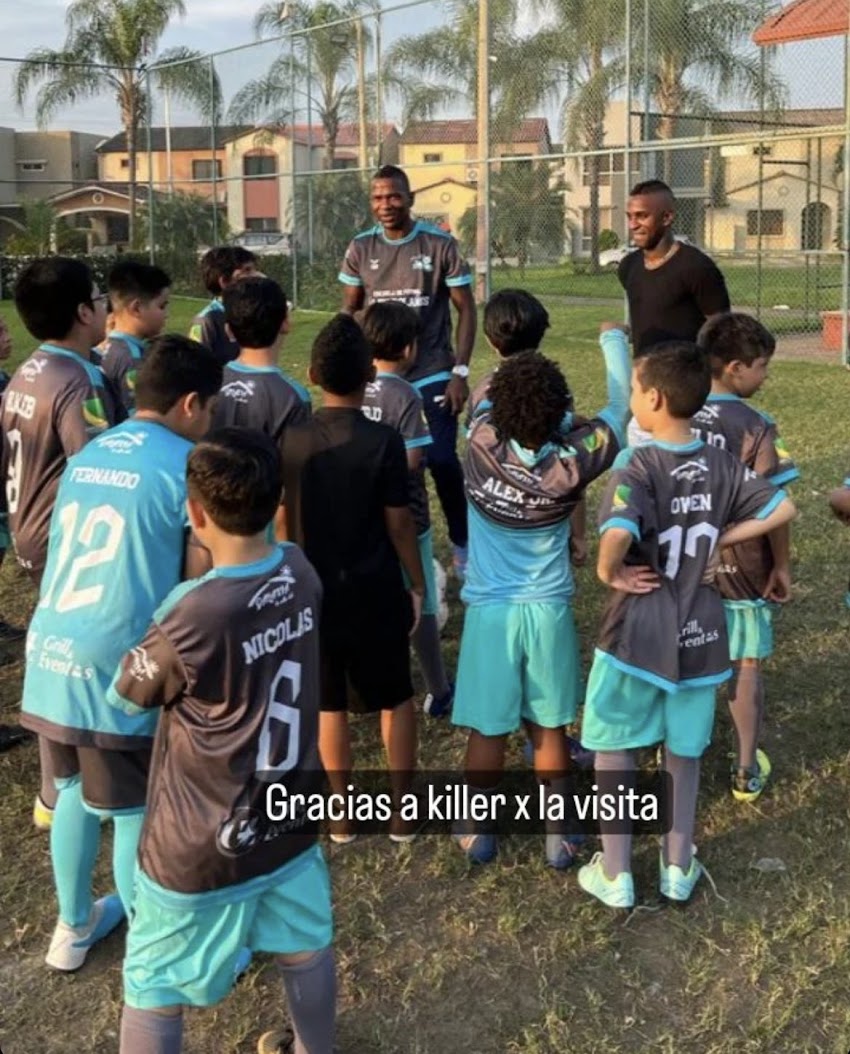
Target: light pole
(482,241)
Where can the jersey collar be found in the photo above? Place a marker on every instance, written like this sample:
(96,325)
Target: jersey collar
(258,567)
(399,241)
(723,397)
(135,342)
(678,448)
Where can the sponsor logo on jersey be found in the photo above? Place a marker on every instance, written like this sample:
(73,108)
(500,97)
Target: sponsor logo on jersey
(691,470)
(708,412)
(374,264)
(32,369)
(240,832)
(94,413)
(143,668)
(622,493)
(20,403)
(422,263)
(276,591)
(239,391)
(122,442)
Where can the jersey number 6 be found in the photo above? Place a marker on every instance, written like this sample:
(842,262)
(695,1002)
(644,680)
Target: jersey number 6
(288,676)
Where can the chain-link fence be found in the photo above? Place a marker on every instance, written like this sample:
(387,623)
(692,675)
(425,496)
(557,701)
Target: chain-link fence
(522,128)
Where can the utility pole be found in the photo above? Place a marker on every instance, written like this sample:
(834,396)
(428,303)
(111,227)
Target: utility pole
(482,246)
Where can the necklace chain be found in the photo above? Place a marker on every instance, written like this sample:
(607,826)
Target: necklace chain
(651,265)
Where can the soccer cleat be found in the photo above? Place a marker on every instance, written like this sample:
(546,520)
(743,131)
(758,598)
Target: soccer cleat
(69,945)
(748,785)
(616,892)
(281,1041)
(581,758)
(42,815)
(460,558)
(437,706)
(563,851)
(479,848)
(676,884)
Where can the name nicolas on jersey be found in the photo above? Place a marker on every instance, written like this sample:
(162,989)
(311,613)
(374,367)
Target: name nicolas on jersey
(268,641)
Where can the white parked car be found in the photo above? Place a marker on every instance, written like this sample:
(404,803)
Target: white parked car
(264,243)
(612,257)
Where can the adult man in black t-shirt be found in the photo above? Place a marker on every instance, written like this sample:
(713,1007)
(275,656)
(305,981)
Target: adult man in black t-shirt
(672,287)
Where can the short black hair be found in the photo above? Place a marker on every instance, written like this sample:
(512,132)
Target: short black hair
(255,309)
(173,367)
(133,280)
(48,294)
(651,186)
(734,337)
(514,320)
(237,476)
(680,371)
(220,262)
(529,396)
(390,326)
(393,172)
(341,359)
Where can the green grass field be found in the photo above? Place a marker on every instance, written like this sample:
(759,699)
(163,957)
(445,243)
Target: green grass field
(436,957)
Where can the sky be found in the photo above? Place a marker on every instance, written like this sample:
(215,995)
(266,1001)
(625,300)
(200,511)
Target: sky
(212,25)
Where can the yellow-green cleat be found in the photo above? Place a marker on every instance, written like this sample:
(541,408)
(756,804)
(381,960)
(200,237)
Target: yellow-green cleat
(748,785)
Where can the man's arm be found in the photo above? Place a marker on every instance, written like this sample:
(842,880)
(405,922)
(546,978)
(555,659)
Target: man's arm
(402,532)
(457,390)
(353,297)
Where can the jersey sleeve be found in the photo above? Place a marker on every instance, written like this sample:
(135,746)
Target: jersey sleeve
(772,459)
(596,445)
(203,330)
(120,369)
(349,273)
(709,289)
(150,675)
(456,268)
(754,497)
(393,478)
(79,415)
(627,502)
(412,424)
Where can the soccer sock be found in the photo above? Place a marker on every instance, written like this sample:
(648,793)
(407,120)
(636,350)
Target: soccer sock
(426,645)
(151,1031)
(74,842)
(746,709)
(557,830)
(678,842)
(124,845)
(311,991)
(47,792)
(613,769)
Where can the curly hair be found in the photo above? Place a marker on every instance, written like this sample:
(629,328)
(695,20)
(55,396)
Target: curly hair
(529,396)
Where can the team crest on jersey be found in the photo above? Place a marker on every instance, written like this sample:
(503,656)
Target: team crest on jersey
(276,591)
(195,332)
(596,440)
(143,667)
(239,391)
(122,442)
(422,263)
(130,378)
(94,413)
(781,450)
(240,832)
(32,369)
(691,470)
(622,493)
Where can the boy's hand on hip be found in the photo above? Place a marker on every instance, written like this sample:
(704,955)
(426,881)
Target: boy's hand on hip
(630,579)
(778,588)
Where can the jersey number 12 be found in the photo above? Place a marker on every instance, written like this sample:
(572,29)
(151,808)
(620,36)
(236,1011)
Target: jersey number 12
(69,593)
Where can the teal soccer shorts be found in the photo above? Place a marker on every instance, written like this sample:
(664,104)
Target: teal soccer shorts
(750,627)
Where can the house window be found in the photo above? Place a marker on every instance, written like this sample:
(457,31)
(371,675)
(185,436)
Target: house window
(432,159)
(32,166)
(609,164)
(772,222)
(606,220)
(206,170)
(259,223)
(125,162)
(518,160)
(259,165)
(340,163)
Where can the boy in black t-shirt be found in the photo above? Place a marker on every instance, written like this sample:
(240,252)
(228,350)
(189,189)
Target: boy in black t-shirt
(346,504)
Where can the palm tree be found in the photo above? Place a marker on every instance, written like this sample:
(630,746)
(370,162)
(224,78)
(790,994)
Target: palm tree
(699,53)
(108,45)
(335,55)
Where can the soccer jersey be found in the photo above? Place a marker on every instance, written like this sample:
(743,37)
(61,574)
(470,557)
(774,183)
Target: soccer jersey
(260,397)
(671,302)
(391,400)
(751,436)
(340,471)
(418,270)
(675,501)
(208,329)
(120,361)
(116,550)
(234,659)
(55,403)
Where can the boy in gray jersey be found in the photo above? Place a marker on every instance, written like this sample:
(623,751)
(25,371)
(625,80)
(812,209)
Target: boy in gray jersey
(220,266)
(138,296)
(756,575)
(662,647)
(233,658)
(391,329)
(56,401)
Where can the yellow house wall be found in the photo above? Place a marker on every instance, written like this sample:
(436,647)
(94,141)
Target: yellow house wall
(447,199)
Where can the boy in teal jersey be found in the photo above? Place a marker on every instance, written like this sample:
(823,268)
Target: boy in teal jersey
(116,548)
(220,266)
(233,658)
(519,660)
(756,575)
(662,648)
(391,329)
(138,298)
